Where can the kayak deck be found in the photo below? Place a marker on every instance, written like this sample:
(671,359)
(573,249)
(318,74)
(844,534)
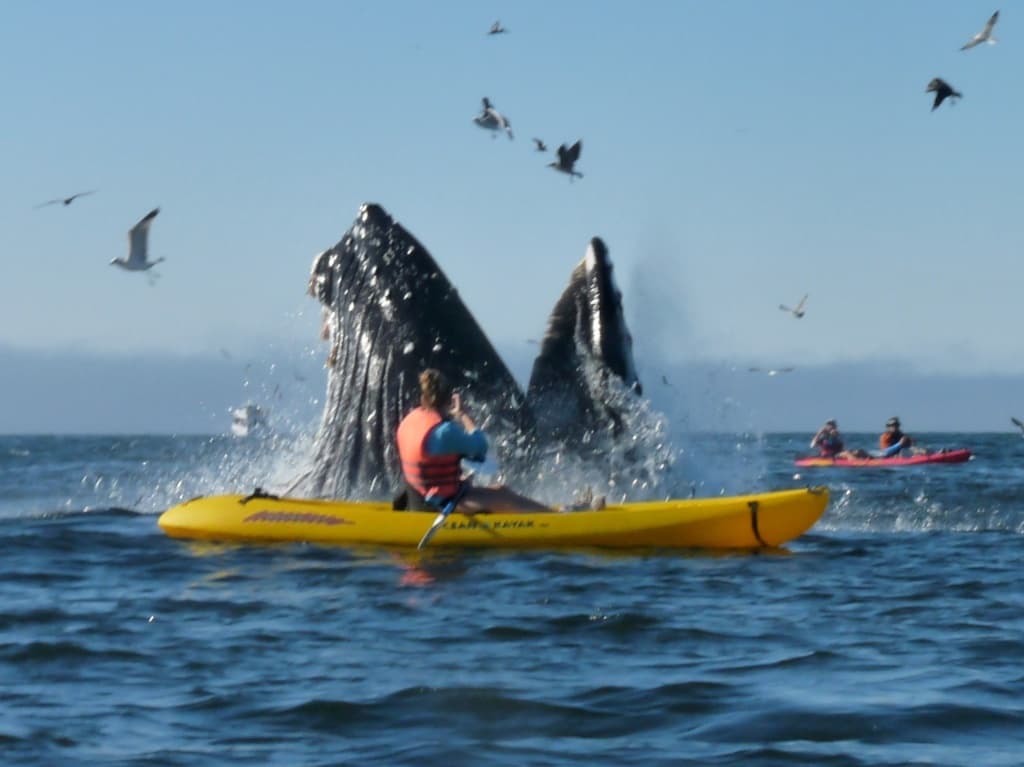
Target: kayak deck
(944,456)
(735,522)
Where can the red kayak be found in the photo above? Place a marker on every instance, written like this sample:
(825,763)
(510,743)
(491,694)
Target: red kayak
(940,456)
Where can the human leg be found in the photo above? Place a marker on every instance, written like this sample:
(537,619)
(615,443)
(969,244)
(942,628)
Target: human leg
(497,499)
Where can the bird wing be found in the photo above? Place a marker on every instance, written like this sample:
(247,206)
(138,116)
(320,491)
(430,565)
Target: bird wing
(138,237)
(785,308)
(990,24)
(574,152)
(1018,423)
(940,94)
(978,38)
(800,306)
(48,202)
(487,103)
(81,194)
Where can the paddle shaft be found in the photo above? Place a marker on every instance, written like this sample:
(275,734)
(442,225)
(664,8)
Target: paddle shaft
(447,509)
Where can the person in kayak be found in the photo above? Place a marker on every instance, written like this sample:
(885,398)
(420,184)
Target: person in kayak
(893,440)
(829,442)
(432,439)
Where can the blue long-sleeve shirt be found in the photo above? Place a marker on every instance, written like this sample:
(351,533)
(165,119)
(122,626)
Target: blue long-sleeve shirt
(449,437)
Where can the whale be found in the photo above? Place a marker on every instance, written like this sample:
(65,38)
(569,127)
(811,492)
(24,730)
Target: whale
(390,311)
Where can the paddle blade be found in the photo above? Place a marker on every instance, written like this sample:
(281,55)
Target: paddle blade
(438,521)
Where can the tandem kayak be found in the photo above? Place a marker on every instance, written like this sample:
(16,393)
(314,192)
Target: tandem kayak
(941,456)
(736,522)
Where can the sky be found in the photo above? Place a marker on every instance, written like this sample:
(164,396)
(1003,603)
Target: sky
(736,155)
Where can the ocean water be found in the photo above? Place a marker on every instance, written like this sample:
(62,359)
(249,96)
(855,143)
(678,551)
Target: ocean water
(891,634)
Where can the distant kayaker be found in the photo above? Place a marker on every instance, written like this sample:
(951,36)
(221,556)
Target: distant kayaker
(432,439)
(829,442)
(893,440)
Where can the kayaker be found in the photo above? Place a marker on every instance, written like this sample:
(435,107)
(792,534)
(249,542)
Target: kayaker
(432,439)
(893,440)
(829,442)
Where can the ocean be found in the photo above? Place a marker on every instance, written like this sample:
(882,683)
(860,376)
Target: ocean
(891,634)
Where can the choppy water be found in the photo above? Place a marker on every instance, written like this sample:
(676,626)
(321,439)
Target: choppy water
(892,634)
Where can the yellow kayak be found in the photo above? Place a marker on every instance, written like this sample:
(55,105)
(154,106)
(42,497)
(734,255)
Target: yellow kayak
(736,522)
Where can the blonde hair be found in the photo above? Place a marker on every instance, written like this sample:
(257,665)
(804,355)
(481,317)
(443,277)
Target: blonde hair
(435,390)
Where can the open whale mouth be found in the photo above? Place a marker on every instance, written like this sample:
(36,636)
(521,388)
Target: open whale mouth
(391,312)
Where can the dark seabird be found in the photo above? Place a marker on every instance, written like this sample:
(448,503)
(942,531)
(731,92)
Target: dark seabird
(497,29)
(943,90)
(493,120)
(138,246)
(567,157)
(985,35)
(797,311)
(65,200)
(1018,423)
(541,146)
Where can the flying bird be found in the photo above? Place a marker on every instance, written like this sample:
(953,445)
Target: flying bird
(797,311)
(497,29)
(943,90)
(491,119)
(771,371)
(138,246)
(567,157)
(985,35)
(65,200)
(1019,424)
(541,146)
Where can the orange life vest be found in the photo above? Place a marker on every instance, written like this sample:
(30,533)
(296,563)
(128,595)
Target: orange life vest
(889,438)
(426,474)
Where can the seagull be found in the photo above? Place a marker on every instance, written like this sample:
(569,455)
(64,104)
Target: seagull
(985,35)
(797,311)
(1019,424)
(943,90)
(567,157)
(138,235)
(664,380)
(541,146)
(773,371)
(497,29)
(65,200)
(491,119)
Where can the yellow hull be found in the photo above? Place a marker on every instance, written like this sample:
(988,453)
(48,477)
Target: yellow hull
(736,522)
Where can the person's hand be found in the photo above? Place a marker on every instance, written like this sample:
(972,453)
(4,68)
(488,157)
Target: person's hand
(456,409)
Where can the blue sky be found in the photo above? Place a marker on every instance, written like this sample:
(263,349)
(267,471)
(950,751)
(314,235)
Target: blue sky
(736,155)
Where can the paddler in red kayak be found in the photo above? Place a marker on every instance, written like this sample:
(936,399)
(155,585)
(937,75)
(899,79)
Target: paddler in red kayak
(893,440)
(829,442)
(432,439)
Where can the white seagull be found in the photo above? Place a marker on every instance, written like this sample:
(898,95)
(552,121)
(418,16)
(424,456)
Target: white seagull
(985,35)
(797,311)
(138,236)
(491,119)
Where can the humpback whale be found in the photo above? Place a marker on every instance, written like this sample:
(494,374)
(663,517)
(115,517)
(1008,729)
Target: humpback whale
(391,312)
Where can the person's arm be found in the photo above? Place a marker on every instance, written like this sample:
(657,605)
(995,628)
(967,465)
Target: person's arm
(461,415)
(814,440)
(459,436)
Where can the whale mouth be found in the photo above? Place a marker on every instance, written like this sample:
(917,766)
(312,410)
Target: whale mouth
(390,312)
